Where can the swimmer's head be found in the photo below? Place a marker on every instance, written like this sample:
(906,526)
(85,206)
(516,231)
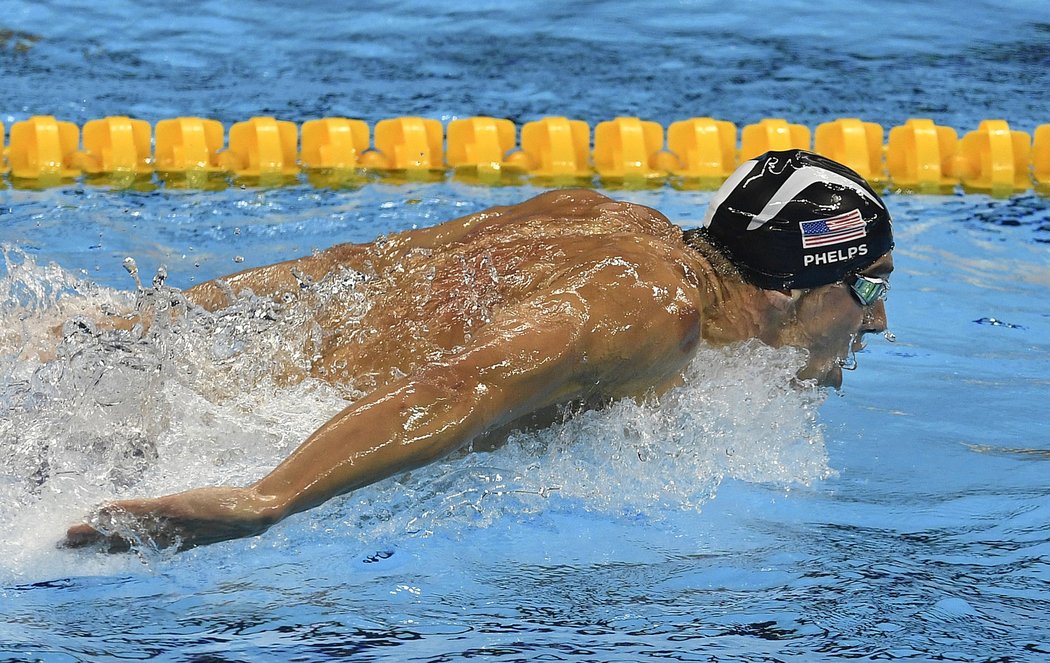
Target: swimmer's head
(797,220)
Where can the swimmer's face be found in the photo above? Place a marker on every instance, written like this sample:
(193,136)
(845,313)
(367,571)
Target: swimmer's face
(830,321)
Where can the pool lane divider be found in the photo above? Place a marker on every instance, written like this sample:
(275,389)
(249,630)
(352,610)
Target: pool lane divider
(699,152)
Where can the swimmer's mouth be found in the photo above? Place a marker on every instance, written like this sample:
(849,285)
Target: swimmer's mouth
(857,344)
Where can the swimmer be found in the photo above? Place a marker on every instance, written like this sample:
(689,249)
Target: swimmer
(567,299)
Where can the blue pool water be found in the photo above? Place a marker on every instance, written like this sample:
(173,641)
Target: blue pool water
(906,517)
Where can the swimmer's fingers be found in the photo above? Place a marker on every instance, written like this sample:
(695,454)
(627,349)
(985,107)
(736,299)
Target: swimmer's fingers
(84,536)
(115,528)
(181,521)
(80,536)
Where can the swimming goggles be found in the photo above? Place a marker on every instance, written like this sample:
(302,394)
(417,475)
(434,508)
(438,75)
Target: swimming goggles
(868,289)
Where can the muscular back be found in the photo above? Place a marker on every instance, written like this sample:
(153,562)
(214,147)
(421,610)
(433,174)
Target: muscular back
(387,308)
(456,335)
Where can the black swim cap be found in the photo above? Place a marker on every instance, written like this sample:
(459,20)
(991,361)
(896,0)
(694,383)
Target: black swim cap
(795,219)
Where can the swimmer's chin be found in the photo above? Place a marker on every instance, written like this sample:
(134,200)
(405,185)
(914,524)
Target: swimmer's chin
(830,376)
(833,378)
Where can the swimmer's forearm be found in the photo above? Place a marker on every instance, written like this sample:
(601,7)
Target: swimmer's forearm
(270,281)
(437,410)
(420,422)
(273,280)
(280,278)
(369,442)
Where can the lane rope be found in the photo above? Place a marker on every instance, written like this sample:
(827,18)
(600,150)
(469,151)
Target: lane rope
(699,152)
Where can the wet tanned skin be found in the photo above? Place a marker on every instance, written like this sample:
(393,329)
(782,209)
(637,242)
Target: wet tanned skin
(488,323)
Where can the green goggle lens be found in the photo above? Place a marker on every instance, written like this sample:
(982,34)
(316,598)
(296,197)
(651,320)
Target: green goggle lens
(868,290)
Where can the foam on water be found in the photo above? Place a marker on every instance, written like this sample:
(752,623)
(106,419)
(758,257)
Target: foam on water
(90,411)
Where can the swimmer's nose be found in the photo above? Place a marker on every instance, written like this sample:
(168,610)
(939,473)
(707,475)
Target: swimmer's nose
(874,319)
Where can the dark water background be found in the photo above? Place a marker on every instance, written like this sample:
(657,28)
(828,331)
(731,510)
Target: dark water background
(927,541)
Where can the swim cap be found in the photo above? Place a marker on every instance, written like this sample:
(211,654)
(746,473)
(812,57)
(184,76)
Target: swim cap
(795,219)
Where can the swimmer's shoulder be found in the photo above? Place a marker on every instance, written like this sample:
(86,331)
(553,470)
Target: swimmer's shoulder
(570,213)
(559,215)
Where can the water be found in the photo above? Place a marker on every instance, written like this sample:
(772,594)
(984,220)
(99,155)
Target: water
(737,519)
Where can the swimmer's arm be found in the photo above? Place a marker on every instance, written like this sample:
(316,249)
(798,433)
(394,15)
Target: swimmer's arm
(275,280)
(288,277)
(285,277)
(517,365)
(280,278)
(520,366)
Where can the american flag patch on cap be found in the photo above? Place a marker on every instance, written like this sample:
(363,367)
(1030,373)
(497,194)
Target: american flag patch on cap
(834,230)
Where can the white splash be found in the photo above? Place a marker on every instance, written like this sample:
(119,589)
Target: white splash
(90,413)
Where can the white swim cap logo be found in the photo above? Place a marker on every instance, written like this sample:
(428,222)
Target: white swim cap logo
(727,188)
(794,185)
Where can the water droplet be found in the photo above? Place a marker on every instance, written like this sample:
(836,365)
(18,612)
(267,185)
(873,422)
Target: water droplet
(849,362)
(160,277)
(132,268)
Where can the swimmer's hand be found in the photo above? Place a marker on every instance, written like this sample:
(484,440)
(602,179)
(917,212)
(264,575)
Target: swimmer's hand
(183,521)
